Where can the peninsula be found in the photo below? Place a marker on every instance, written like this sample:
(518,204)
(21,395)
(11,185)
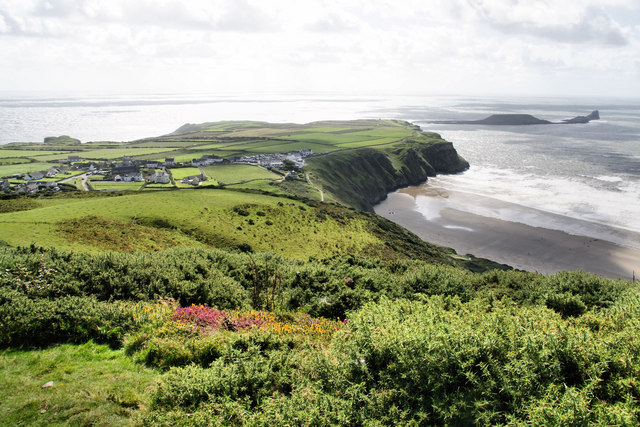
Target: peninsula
(520,120)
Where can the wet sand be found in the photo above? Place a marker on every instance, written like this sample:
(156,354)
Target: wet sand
(518,245)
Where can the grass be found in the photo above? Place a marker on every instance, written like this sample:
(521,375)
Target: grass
(156,220)
(262,185)
(229,174)
(14,160)
(103,185)
(8,153)
(109,153)
(92,385)
(181,173)
(9,170)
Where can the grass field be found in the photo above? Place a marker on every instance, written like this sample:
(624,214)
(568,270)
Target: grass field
(7,153)
(110,153)
(104,185)
(8,170)
(180,173)
(161,219)
(230,174)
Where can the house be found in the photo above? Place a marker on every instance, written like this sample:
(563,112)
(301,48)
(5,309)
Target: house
(129,177)
(160,177)
(169,161)
(306,152)
(4,184)
(151,164)
(125,170)
(32,187)
(51,172)
(73,159)
(206,160)
(47,185)
(128,161)
(34,176)
(194,179)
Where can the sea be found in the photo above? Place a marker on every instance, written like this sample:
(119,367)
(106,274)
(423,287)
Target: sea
(583,179)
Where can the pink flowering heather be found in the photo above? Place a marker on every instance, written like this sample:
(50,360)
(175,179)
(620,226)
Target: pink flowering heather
(201,315)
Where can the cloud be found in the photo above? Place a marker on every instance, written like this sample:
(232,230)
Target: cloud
(546,19)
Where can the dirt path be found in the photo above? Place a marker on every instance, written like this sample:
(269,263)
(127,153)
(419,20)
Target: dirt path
(306,175)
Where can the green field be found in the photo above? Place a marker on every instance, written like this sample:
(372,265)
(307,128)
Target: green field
(180,173)
(101,185)
(8,170)
(111,153)
(230,174)
(7,153)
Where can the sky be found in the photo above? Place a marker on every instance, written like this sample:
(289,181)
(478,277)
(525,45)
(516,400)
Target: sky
(508,47)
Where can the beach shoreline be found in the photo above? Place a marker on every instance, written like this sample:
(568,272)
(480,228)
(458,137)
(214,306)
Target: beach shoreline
(519,245)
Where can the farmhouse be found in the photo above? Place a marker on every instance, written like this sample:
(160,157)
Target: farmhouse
(129,177)
(34,176)
(4,184)
(194,179)
(206,160)
(159,177)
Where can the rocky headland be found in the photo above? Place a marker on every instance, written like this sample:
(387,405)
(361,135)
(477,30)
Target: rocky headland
(520,120)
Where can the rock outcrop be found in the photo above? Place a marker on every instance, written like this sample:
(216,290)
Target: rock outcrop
(520,120)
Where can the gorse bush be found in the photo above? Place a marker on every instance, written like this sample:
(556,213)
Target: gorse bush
(439,361)
(39,322)
(257,340)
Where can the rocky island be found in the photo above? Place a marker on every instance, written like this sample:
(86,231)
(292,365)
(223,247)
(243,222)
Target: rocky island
(520,120)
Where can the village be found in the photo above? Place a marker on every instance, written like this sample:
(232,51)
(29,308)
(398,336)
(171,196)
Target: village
(130,169)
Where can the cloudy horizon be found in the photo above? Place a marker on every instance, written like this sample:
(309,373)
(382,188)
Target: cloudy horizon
(475,47)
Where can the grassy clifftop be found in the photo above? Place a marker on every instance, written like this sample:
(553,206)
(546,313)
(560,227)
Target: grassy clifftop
(363,177)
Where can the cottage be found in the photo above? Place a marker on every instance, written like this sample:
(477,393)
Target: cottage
(73,159)
(169,161)
(306,152)
(34,176)
(4,184)
(159,177)
(125,170)
(194,179)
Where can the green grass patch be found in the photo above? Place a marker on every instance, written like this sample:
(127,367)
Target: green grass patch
(7,171)
(108,153)
(7,153)
(368,143)
(14,161)
(237,173)
(92,385)
(121,186)
(181,173)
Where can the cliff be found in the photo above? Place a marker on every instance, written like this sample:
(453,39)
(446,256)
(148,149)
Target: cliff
(361,178)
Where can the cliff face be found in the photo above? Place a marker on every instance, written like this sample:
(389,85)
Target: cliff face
(362,178)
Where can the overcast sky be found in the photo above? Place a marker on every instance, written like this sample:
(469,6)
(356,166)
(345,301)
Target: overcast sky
(541,47)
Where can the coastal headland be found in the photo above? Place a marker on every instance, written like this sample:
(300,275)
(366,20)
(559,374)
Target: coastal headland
(520,120)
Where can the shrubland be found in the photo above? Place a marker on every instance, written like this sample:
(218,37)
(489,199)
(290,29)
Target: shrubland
(261,339)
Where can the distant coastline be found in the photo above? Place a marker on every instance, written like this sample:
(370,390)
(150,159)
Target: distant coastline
(520,120)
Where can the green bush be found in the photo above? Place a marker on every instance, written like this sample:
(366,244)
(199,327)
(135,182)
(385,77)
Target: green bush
(39,322)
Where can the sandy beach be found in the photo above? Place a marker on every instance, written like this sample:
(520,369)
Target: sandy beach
(519,245)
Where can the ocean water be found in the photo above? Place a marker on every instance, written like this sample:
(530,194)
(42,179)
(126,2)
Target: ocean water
(562,173)
(586,172)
